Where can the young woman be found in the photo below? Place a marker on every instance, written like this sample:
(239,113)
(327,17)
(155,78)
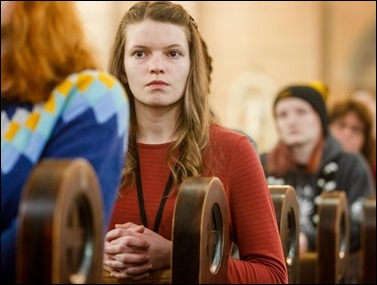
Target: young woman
(159,57)
(311,160)
(351,124)
(54,104)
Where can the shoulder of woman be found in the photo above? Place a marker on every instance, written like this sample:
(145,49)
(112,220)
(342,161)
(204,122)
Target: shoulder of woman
(221,132)
(92,89)
(92,81)
(229,139)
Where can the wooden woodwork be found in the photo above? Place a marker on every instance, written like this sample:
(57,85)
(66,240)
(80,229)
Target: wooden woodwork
(60,236)
(368,243)
(287,214)
(328,263)
(200,233)
(156,277)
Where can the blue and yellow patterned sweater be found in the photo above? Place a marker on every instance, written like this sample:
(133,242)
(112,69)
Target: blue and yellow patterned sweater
(87,116)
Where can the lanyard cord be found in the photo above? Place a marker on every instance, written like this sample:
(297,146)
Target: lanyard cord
(140,197)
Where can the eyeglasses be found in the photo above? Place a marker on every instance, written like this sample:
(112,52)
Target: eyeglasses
(357,130)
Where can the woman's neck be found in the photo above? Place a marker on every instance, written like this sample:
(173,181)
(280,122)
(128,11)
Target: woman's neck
(156,126)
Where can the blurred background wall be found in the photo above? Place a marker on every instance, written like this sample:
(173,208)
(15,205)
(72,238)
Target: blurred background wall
(259,47)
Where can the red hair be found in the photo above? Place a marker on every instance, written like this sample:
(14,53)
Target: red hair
(281,161)
(44,44)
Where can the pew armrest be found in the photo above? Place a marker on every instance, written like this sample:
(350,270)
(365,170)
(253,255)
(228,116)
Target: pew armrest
(368,242)
(328,264)
(287,215)
(60,234)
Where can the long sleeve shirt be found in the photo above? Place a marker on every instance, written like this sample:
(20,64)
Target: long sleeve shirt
(253,225)
(339,170)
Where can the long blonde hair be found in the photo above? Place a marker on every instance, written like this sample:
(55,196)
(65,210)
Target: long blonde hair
(192,129)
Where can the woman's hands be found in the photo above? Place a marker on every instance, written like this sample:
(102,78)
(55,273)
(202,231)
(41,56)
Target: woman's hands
(131,251)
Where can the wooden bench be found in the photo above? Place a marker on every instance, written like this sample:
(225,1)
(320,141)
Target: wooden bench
(287,215)
(60,235)
(201,233)
(368,243)
(328,264)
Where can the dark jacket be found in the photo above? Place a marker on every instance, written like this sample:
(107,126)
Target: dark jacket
(338,171)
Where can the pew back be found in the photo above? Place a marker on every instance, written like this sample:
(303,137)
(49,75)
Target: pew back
(328,264)
(368,243)
(287,214)
(60,235)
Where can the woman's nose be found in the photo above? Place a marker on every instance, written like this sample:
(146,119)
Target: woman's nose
(157,65)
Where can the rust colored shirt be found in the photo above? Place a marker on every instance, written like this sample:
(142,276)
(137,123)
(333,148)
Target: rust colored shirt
(253,224)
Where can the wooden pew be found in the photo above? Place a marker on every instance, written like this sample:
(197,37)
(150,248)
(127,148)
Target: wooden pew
(200,237)
(200,233)
(287,214)
(60,235)
(368,243)
(328,263)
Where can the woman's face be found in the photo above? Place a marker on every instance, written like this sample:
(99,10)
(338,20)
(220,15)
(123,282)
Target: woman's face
(349,131)
(297,122)
(157,63)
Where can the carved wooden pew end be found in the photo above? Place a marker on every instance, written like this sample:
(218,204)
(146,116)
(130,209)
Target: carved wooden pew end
(60,234)
(287,214)
(328,263)
(368,243)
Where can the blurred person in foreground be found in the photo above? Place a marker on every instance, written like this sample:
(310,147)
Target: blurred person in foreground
(55,104)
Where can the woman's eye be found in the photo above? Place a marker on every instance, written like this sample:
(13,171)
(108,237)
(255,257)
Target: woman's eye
(174,53)
(139,54)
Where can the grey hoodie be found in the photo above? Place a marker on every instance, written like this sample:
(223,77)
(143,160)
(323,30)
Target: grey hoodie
(338,171)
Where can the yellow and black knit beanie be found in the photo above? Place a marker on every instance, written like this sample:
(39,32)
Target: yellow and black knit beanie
(310,94)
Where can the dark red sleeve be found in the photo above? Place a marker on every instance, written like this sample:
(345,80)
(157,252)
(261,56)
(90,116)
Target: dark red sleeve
(254,226)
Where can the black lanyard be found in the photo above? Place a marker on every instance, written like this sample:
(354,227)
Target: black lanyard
(141,197)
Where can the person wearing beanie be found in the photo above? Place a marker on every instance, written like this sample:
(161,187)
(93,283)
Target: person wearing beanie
(310,95)
(308,158)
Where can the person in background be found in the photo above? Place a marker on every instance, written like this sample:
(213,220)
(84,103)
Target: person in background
(159,57)
(311,160)
(351,124)
(368,98)
(55,104)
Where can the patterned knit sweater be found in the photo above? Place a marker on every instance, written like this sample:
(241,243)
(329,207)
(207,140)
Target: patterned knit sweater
(87,116)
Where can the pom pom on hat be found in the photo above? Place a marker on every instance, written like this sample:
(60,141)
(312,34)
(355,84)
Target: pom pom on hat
(321,88)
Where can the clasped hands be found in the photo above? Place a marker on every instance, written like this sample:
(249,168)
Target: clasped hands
(131,251)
